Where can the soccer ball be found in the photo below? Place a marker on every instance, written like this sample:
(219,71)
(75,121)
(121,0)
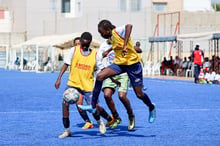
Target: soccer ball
(71,95)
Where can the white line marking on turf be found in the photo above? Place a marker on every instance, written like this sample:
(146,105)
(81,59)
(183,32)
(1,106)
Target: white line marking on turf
(170,110)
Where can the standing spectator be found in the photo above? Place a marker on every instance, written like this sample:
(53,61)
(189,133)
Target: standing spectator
(197,55)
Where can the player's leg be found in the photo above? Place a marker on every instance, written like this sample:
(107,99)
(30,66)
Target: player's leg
(66,121)
(122,94)
(83,114)
(97,113)
(135,74)
(109,89)
(104,74)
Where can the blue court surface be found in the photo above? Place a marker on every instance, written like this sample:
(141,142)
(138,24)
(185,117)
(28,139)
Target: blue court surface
(188,114)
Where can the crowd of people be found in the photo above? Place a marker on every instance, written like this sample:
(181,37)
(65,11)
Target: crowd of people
(209,67)
(176,64)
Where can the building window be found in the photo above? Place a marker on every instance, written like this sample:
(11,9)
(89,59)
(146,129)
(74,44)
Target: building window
(130,5)
(53,4)
(135,5)
(159,7)
(65,6)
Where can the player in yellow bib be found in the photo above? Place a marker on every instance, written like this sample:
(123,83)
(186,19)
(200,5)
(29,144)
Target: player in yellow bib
(126,60)
(82,62)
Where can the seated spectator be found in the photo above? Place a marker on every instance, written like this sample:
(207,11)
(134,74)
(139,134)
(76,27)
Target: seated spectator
(17,61)
(202,79)
(24,62)
(47,65)
(164,64)
(47,61)
(217,78)
(184,66)
(170,64)
(207,63)
(60,57)
(189,63)
(177,64)
(212,75)
(207,76)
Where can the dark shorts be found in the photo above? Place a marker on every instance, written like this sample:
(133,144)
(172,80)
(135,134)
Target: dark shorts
(134,72)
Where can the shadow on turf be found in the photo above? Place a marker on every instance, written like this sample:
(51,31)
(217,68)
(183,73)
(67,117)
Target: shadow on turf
(119,131)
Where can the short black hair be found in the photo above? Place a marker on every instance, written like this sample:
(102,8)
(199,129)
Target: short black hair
(106,24)
(86,36)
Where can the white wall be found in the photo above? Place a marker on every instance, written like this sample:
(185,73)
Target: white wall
(197,5)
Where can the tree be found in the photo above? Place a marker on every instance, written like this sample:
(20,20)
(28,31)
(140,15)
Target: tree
(216,6)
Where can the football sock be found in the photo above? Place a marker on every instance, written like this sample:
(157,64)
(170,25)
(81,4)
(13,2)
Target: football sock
(96,92)
(105,115)
(84,115)
(66,122)
(147,101)
(96,115)
(115,115)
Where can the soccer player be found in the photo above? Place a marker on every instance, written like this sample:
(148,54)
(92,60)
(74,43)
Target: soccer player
(109,87)
(126,60)
(83,114)
(82,62)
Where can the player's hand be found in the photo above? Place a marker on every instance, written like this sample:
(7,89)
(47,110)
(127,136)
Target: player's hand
(57,84)
(124,52)
(116,82)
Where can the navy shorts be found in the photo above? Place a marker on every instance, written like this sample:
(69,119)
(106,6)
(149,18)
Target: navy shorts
(134,72)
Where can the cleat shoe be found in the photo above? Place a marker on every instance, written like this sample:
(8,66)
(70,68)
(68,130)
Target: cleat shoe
(102,128)
(115,124)
(87,125)
(87,108)
(108,124)
(152,115)
(131,123)
(66,133)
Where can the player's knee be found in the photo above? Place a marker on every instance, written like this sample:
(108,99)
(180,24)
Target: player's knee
(108,97)
(139,95)
(122,97)
(100,77)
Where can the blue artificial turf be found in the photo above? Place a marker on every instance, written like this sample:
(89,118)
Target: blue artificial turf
(31,114)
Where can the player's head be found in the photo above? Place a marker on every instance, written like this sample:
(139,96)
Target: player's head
(76,41)
(197,46)
(105,28)
(85,40)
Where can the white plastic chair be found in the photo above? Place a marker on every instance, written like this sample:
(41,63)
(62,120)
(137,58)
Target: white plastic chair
(190,71)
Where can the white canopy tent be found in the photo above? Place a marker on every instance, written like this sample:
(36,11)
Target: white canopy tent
(40,48)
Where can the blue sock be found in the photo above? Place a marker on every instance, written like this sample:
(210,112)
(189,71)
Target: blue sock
(96,92)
